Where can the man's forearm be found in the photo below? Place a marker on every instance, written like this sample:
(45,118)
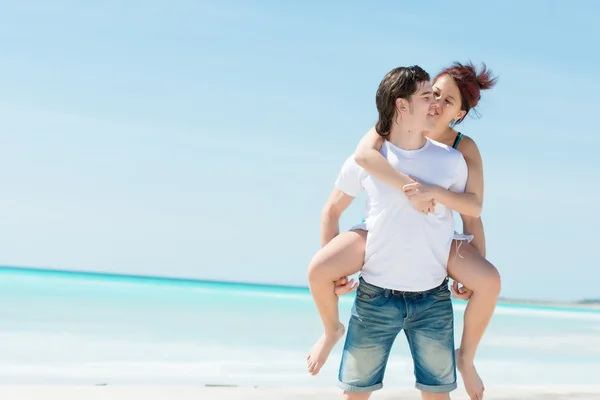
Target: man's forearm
(474,226)
(329,226)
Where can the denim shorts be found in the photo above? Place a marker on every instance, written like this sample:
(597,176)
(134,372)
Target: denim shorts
(378,315)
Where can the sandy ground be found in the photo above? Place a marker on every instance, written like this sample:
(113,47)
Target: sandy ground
(208,393)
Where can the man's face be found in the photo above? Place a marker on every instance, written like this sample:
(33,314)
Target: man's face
(422,107)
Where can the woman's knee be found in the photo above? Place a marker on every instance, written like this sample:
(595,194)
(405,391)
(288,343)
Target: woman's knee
(494,280)
(490,281)
(317,267)
(341,257)
(475,272)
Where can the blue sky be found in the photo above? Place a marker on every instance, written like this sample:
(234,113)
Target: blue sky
(201,138)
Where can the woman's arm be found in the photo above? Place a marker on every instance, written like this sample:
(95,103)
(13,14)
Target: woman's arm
(367,155)
(468,203)
(474,226)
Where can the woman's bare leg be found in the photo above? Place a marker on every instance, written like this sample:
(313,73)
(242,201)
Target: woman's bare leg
(341,257)
(468,267)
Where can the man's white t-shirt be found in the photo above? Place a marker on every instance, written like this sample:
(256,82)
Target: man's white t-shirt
(405,249)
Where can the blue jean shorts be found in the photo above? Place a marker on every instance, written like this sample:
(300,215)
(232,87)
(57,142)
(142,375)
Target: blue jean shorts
(378,316)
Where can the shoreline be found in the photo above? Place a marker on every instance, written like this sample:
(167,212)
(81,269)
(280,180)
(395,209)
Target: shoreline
(581,304)
(8,392)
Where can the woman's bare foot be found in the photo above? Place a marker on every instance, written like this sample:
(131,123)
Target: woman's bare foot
(320,351)
(473,383)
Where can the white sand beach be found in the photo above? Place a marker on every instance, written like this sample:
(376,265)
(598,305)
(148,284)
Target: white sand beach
(73,339)
(234,393)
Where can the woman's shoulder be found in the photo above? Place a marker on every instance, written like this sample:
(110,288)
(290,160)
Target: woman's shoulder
(468,148)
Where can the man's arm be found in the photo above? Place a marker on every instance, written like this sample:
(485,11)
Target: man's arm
(347,186)
(337,203)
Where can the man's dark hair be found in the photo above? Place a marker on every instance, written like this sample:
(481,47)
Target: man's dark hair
(401,82)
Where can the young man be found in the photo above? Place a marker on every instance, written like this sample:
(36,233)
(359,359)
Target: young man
(403,284)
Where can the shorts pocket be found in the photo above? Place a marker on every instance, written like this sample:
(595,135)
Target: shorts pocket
(442,294)
(366,291)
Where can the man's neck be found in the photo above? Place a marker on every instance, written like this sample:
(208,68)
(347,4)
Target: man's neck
(445,135)
(406,139)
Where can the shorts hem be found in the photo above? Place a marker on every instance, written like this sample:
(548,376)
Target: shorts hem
(360,227)
(436,389)
(359,389)
(463,238)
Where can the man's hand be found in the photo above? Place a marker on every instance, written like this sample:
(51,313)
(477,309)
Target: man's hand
(344,286)
(461,292)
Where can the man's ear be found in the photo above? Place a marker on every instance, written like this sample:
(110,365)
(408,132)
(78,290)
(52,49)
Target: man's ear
(402,105)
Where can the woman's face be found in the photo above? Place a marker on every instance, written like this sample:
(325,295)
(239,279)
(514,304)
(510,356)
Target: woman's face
(448,96)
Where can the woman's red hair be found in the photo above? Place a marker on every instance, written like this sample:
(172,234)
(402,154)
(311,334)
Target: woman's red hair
(470,83)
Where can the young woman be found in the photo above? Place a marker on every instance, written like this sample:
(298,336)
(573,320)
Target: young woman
(457,90)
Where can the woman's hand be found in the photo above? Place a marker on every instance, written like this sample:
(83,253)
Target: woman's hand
(421,195)
(424,207)
(420,192)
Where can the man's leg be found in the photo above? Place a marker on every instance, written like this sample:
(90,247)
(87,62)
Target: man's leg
(341,257)
(356,396)
(434,396)
(468,267)
(430,333)
(375,322)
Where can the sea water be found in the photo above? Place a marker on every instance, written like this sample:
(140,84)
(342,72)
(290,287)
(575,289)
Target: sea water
(80,328)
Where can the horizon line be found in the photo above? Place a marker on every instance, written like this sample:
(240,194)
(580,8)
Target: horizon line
(172,279)
(584,302)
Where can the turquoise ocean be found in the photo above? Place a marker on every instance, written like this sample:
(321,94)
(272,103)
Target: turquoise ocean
(84,328)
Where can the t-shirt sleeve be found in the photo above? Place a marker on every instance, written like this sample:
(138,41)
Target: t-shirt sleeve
(349,179)
(461,174)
